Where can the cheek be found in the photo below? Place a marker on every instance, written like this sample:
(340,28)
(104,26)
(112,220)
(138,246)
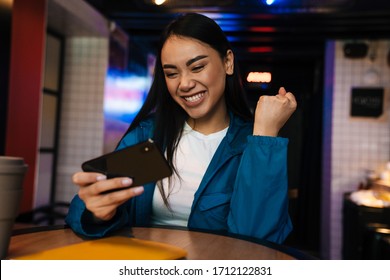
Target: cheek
(217,81)
(215,78)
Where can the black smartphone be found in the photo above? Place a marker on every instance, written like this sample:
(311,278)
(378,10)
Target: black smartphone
(143,162)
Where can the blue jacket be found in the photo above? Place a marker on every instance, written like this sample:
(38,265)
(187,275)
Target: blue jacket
(244,189)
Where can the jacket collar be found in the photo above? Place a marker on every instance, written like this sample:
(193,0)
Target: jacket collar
(233,144)
(237,133)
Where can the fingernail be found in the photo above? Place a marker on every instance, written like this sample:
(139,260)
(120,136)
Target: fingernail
(101,177)
(138,190)
(127,182)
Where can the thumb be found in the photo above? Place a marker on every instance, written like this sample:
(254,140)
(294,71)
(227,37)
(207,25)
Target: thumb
(282,91)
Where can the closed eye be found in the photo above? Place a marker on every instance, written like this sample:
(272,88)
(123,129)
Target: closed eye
(170,75)
(197,68)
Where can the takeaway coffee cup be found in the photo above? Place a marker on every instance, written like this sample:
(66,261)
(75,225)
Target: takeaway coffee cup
(12,172)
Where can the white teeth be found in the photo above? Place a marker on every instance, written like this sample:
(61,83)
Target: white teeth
(194,98)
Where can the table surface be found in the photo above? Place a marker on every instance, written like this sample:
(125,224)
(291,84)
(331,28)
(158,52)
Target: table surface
(199,245)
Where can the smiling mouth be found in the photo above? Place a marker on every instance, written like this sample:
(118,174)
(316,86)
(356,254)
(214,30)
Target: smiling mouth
(194,98)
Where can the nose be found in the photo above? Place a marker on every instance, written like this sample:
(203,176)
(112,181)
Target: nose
(186,83)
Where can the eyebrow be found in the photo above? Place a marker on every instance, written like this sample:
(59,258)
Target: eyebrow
(188,63)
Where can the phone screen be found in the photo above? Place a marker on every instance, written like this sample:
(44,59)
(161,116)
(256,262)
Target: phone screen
(143,162)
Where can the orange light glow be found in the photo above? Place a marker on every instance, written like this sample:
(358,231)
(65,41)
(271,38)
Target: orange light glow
(259,77)
(159,2)
(6,3)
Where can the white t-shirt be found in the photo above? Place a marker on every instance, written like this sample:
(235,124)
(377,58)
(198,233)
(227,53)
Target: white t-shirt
(193,155)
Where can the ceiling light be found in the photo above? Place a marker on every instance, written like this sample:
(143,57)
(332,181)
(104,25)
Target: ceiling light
(159,2)
(259,77)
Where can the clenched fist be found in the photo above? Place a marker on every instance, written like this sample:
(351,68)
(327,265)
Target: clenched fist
(272,112)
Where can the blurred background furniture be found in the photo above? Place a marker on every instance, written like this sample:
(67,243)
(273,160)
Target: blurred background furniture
(366,231)
(51,214)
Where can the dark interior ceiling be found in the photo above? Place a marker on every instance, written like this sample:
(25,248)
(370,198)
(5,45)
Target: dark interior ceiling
(287,28)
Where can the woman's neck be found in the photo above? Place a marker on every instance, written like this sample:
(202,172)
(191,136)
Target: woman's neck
(207,126)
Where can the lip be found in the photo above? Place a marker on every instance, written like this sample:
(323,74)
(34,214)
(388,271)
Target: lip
(196,102)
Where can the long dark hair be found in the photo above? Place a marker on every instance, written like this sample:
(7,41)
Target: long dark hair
(169,116)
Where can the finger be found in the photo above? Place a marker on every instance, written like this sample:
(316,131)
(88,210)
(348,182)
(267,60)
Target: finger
(118,197)
(107,203)
(291,98)
(282,91)
(87,178)
(112,184)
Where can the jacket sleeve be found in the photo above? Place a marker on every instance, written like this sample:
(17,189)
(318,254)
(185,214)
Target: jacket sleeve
(82,221)
(259,203)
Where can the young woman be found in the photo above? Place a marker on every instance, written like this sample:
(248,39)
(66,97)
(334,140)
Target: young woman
(230,168)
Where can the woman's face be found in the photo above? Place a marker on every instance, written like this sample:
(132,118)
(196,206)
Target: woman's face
(195,75)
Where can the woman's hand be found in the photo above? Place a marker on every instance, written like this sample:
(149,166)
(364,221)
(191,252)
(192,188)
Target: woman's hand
(93,191)
(272,112)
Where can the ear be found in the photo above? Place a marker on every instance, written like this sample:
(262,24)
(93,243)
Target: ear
(229,62)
